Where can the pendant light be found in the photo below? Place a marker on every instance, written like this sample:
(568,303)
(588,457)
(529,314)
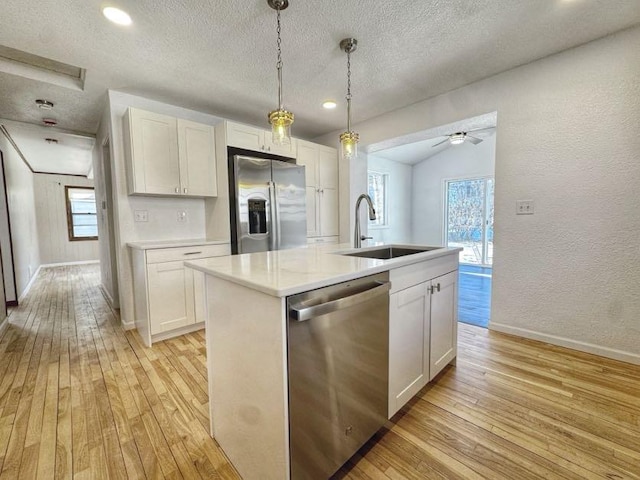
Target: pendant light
(349,139)
(280,119)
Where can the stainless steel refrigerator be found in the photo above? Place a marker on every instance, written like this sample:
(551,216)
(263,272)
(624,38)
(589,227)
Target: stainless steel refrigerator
(270,205)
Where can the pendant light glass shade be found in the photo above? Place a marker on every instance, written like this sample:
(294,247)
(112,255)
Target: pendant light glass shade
(349,139)
(280,119)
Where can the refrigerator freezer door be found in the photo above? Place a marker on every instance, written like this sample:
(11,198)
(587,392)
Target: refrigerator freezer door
(253,204)
(290,212)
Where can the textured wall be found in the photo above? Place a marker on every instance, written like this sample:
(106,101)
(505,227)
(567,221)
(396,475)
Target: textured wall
(51,214)
(399,201)
(428,178)
(565,139)
(22,211)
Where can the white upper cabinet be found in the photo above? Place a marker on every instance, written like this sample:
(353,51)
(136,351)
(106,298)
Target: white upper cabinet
(321,175)
(168,156)
(197,159)
(258,140)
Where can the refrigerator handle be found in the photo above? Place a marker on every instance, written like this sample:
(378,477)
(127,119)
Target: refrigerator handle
(273,231)
(276,217)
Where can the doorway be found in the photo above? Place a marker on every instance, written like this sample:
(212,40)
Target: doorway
(6,243)
(469,225)
(109,266)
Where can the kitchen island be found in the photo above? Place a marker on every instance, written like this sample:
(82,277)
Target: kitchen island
(247,334)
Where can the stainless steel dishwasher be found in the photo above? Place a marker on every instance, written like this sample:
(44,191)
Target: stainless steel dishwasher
(338,351)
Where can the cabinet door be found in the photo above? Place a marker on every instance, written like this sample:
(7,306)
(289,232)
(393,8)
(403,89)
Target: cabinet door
(154,155)
(312,212)
(328,167)
(329,215)
(444,321)
(167,296)
(289,150)
(197,159)
(308,156)
(244,136)
(408,344)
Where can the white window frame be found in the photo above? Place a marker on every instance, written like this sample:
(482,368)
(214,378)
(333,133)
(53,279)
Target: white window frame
(385,199)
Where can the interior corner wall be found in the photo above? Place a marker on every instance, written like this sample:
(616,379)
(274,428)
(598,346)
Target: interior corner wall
(569,273)
(22,212)
(399,205)
(162,211)
(428,185)
(51,215)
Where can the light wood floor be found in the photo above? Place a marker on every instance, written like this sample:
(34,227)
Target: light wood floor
(80,398)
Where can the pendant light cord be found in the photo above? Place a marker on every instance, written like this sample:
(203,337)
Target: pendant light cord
(279,63)
(348,97)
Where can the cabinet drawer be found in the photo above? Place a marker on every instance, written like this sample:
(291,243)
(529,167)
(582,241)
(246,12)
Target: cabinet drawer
(314,240)
(187,253)
(404,277)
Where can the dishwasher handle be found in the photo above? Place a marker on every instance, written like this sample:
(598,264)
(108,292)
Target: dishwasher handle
(301,313)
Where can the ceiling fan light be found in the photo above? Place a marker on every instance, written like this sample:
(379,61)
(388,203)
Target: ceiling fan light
(456,138)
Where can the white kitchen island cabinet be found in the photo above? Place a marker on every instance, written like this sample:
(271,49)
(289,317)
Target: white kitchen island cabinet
(247,341)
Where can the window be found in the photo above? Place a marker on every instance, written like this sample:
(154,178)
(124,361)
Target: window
(378,192)
(82,221)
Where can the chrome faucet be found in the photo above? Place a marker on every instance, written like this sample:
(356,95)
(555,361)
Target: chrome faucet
(357,236)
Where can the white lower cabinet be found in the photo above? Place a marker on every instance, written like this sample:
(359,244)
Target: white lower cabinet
(422,335)
(169,298)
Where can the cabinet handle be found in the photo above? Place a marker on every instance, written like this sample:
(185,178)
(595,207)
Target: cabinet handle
(430,289)
(268,149)
(184,190)
(192,253)
(263,149)
(438,287)
(177,190)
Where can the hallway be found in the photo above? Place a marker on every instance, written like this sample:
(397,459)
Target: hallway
(85,399)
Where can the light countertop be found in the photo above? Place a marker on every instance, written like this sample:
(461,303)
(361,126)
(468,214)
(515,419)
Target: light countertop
(151,245)
(286,272)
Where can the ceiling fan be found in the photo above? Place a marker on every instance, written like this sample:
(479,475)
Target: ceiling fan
(461,137)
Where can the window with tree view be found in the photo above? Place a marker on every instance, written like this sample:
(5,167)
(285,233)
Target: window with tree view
(378,192)
(82,220)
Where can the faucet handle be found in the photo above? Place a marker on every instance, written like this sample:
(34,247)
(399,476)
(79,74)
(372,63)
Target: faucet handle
(362,237)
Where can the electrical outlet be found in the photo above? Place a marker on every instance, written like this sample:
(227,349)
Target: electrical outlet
(141,216)
(524,207)
(182,216)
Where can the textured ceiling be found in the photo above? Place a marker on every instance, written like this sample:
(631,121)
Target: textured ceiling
(219,56)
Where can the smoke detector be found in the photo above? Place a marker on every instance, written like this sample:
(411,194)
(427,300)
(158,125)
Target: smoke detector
(49,122)
(44,104)
(51,140)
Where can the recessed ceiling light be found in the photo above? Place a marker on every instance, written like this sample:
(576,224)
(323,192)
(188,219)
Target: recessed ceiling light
(329,105)
(116,15)
(44,104)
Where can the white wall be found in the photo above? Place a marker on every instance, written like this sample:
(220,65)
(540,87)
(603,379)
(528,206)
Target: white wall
(51,215)
(22,212)
(428,185)
(9,290)
(399,204)
(568,274)
(162,211)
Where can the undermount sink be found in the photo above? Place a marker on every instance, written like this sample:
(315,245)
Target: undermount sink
(387,253)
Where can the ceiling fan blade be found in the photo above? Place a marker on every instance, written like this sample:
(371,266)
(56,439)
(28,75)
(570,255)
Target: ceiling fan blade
(484,129)
(440,143)
(473,140)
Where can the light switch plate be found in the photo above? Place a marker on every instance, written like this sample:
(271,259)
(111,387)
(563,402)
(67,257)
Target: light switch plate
(524,207)
(182,216)
(141,215)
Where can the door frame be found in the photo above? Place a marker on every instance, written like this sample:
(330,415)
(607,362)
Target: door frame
(11,303)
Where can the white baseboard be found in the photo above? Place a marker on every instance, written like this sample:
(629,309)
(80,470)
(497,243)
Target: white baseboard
(64,264)
(568,343)
(128,325)
(29,285)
